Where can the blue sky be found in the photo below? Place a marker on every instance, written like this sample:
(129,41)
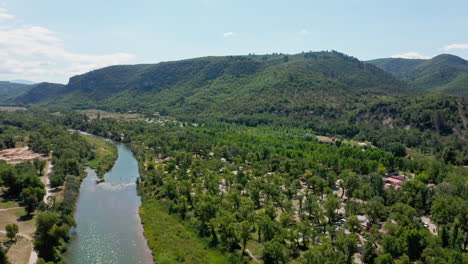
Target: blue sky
(51,40)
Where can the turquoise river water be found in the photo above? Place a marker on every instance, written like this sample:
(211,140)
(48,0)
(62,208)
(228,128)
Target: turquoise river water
(108,229)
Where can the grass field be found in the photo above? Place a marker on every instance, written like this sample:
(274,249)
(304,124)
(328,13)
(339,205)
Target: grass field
(417,155)
(171,241)
(106,154)
(8,204)
(25,225)
(21,250)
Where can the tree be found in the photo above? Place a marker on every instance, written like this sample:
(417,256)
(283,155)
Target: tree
(32,197)
(376,184)
(11,231)
(369,252)
(38,143)
(323,254)
(449,155)
(244,233)
(384,259)
(9,141)
(392,245)
(375,209)
(349,183)
(275,252)
(445,208)
(50,232)
(397,149)
(415,241)
(353,224)
(415,193)
(347,245)
(39,165)
(10,180)
(3,257)
(403,213)
(330,206)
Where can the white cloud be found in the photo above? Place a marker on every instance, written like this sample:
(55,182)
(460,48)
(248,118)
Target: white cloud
(229,34)
(39,54)
(4,15)
(455,47)
(410,55)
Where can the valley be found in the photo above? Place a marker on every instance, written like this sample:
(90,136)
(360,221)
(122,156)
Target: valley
(314,157)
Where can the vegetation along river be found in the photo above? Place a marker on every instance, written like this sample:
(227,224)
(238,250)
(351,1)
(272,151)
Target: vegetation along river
(108,225)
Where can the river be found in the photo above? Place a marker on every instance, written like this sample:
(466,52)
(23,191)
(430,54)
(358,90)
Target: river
(109,229)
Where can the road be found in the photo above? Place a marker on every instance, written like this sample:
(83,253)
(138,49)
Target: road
(47,181)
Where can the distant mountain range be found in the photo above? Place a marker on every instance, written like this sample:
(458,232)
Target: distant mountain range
(442,74)
(11,89)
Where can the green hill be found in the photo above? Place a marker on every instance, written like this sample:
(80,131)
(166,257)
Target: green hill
(232,84)
(443,73)
(9,89)
(41,92)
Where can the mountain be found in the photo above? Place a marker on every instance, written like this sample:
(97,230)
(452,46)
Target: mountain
(329,92)
(444,73)
(230,85)
(41,92)
(8,89)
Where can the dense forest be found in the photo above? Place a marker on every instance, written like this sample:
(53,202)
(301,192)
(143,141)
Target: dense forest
(277,195)
(269,192)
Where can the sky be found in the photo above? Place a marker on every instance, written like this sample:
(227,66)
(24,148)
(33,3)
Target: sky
(52,40)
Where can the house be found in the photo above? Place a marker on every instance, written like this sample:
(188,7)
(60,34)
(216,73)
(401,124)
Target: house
(394,180)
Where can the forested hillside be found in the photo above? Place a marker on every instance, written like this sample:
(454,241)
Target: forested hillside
(40,92)
(232,84)
(444,73)
(10,89)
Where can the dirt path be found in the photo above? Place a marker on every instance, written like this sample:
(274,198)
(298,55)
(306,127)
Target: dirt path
(47,181)
(430,225)
(251,255)
(21,234)
(11,208)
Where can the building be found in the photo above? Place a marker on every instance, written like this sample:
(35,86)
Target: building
(394,180)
